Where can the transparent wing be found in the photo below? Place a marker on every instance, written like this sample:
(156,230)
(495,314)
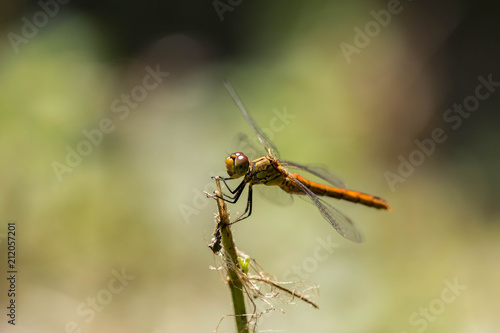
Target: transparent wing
(248,147)
(253,151)
(268,145)
(317,170)
(275,195)
(339,221)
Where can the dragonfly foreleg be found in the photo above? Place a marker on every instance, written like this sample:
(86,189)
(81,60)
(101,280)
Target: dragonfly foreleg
(237,192)
(248,209)
(232,199)
(228,188)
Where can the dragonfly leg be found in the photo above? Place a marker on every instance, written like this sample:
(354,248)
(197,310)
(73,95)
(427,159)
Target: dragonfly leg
(227,186)
(237,192)
(236,196)
(248,209)
(229,189)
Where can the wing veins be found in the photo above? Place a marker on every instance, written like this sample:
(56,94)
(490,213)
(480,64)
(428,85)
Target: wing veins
(318,171)
(339,221)
(268,145)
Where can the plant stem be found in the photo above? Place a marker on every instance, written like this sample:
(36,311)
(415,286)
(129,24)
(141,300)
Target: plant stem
(229,248)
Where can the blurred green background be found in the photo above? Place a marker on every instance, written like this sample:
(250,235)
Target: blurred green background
(134,203)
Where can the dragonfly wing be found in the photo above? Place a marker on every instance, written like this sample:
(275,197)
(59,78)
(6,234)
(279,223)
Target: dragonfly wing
(253,150)
(339,221)
(319,171)
(275,195)
(269,146)
(248,147)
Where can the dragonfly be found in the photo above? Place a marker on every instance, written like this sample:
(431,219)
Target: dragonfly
(270,170)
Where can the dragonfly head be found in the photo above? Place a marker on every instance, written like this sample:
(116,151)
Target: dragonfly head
(237,165)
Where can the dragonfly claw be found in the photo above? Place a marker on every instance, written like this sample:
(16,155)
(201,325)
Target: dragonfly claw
(213,196)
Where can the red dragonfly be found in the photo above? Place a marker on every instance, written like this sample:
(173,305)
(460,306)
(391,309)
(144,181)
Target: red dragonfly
(271,171)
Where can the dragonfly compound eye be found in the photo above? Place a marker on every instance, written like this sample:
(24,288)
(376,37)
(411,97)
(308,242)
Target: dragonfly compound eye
(237,165)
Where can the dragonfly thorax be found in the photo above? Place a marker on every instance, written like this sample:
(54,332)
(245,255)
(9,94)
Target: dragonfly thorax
(237,165)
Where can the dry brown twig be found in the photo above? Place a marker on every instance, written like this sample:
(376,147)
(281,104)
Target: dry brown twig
(236,264)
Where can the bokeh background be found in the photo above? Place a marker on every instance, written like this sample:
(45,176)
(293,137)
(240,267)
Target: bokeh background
(134,204)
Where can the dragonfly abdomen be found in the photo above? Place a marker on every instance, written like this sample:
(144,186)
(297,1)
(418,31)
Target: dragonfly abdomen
(343,194)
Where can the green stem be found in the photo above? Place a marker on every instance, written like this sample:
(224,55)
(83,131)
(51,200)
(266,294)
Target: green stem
(230,252)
